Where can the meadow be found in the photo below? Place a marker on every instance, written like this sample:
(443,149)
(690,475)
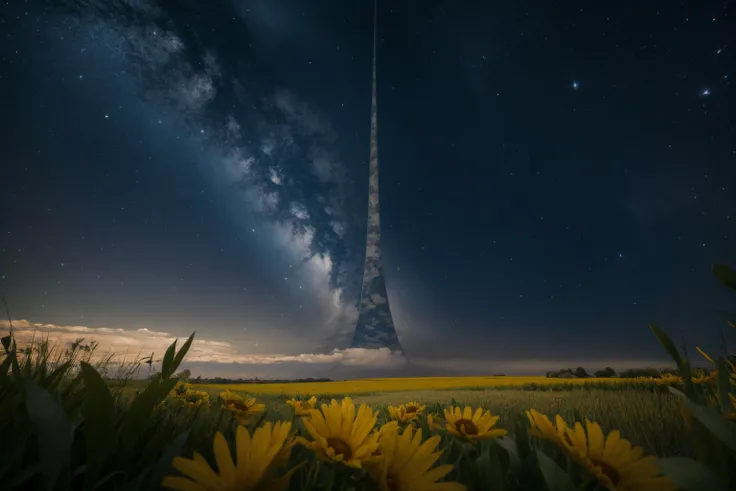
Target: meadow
(69,421)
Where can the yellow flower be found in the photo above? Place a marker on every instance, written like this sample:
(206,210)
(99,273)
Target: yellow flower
(389,427)
(254,468)
(242,407)
(434,425)
(406,464)
(302,408)
(340,435)
(471,426)
(542,427)
(179,389)
(195,398)
(415,407)
(614,462)
(401,414)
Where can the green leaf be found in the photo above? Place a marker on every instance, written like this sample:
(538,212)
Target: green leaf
(667,343)
(137,417)
(725,275)
(530,476)
(182,353)
(510,446)
(555,477)
(168,360)
(690,475)
(491,468)
(4,366)
(161,468)
(99,422)
(716,423)
(682,365)
(22,477)
(724,385)
(11,455)
(53,430)
(5,341)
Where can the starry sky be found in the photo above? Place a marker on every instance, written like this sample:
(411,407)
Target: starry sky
(554,176)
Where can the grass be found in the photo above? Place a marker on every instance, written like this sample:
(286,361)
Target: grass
(385,385)
(75,424)
(651,419)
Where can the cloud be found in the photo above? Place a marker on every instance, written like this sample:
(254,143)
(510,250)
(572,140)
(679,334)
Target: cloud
(206,353)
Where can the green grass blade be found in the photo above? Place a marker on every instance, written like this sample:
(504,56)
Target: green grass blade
(690,475)
(554,476)
(715,422)
(667,343)
(53,430)
(168,361)
(182,353)
(724,385)
(725,275)
(137,418)
(162,467)
(99,422)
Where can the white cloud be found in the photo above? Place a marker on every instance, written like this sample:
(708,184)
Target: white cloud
(129,344)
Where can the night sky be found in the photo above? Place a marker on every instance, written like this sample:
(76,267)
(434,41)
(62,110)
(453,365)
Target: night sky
(554,177)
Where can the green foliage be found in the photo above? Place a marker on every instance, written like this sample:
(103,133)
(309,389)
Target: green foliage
(712,434)
(74,428)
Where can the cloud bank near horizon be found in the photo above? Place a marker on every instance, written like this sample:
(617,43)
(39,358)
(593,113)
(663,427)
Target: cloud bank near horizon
(217,358)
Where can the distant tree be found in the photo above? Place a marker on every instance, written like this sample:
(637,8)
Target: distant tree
(184,374)
(641,372)
(607,372)
(581,373)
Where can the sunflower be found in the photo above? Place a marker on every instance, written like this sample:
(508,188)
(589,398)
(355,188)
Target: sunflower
(616,465)
(402,414)
(406,464)
(389,427)
(542,427)
(254,468)
(415,407)
(242,407)
(195,398)
(180,389)
(434,425)
(471,426)
(340,435)
(302,408)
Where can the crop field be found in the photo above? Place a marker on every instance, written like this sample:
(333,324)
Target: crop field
(649,418)
(424,383)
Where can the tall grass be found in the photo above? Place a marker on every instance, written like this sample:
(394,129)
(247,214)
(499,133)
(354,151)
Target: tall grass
(70,423)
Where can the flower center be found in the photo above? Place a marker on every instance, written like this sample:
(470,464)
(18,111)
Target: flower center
(466,426)
(411,409)
(340,448)
(609,472)
(393,483)
(238,405)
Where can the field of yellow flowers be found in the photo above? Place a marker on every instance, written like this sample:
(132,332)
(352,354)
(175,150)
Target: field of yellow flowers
(65,427)
(403,384)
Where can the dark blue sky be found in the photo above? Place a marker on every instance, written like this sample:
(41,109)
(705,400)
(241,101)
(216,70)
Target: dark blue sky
(554,176)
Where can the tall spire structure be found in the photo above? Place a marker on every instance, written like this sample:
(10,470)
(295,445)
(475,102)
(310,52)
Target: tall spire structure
(375,327)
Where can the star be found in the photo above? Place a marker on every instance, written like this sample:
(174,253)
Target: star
(575,85)
(107,116)
(706,92)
